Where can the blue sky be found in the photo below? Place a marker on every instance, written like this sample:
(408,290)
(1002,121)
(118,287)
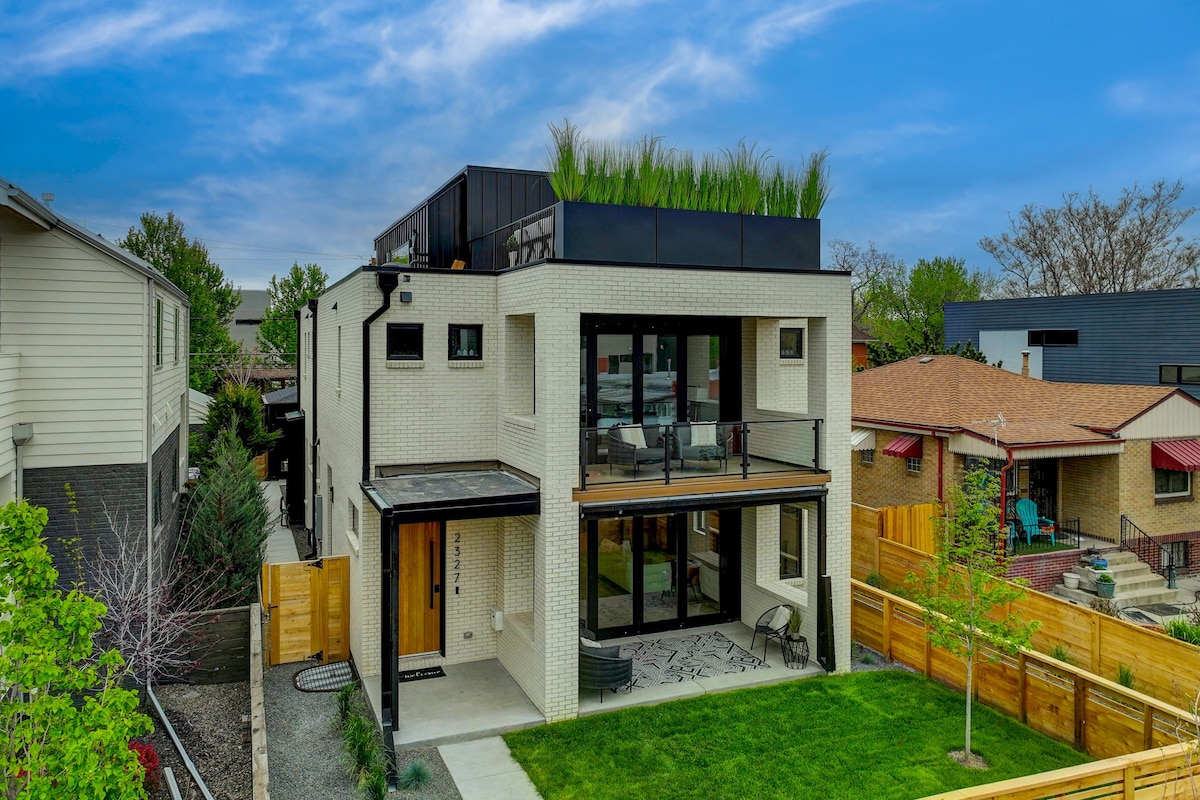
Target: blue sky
(280,131)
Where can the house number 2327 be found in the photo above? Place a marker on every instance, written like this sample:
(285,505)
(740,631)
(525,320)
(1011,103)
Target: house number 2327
(457,556)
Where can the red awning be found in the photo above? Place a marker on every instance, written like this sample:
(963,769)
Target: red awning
(1182,455)
(906,446)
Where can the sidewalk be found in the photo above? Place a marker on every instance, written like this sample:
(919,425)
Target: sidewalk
(281,545)
(485,770)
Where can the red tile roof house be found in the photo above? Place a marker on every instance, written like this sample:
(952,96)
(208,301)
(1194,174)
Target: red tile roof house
(1119,460)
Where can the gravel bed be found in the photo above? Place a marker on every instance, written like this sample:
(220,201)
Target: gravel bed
(304,752)
(208,720)
(441,785)
(864,659)
(300,535)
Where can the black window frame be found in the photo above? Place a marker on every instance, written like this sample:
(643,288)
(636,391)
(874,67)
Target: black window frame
(1054,337)
(798,558)
(1175,373)
(158,332)
(406,327)
(798,350)
(450,337)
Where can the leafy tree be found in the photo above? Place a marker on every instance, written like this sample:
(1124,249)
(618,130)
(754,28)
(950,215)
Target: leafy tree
(868,268)
(279,333)
(1088,246)
(964,592)
(213,299)
(905,306)
(66,724)
(227,528)
(237,406)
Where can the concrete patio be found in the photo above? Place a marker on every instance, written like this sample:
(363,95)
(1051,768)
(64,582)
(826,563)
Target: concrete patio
(480,699)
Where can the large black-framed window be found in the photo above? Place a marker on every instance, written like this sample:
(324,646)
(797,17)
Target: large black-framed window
(1062,337)
(466,343)
(405,341)
(1179,374)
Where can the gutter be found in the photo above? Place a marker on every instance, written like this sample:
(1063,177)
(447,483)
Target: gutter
(387,283)
(312,306)
(151,342)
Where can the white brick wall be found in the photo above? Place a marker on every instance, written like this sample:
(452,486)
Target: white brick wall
(522,408)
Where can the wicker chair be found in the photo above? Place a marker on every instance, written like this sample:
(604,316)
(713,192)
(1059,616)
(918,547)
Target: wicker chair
(604,668)
(634,445)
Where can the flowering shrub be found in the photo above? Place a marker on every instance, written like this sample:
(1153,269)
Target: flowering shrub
(148,758)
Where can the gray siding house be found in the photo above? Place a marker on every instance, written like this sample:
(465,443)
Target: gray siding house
(1147,338)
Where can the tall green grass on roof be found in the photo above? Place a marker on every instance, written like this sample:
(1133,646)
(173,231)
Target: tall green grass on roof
(742,179)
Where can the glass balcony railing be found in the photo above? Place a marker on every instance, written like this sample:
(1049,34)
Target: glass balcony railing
(662,453)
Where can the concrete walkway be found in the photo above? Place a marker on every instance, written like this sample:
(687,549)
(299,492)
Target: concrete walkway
(485,770)
(281,545)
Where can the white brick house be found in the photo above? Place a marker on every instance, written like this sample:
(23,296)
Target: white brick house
(492,396)
(93,375)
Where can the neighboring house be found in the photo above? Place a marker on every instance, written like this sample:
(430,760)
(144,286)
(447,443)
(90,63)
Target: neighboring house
(1088,455)
(198,403)
(494,465)
(247,318)
(858,346)
(93,365)
(1146,338)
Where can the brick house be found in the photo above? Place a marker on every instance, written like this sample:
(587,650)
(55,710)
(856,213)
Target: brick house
(1095,456)
(93,370)
(499,425)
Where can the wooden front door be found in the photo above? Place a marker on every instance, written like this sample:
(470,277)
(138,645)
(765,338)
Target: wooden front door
(420,588)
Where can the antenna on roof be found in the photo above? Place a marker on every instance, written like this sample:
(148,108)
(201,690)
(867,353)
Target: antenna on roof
(997,423)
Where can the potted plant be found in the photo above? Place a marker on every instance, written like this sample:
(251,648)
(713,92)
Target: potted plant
(795,646)
(794,623)
(1070,580)
(511,244)
(1105,585)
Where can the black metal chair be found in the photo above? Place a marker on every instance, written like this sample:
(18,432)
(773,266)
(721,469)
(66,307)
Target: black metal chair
(773,624)
(604,668)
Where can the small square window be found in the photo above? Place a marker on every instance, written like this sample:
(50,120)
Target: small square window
(466,342)
(912,464)
(1172,483)
(791,343)
(405,342)
(866,456)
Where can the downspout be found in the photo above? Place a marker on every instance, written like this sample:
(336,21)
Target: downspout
(1004,471)
(312,458)
(941,477)
(151,340)
(387,282)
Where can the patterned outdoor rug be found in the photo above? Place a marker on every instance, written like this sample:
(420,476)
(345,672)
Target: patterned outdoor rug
(324,678)
(686,658)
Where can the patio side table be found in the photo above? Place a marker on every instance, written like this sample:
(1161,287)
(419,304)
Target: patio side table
(795,651)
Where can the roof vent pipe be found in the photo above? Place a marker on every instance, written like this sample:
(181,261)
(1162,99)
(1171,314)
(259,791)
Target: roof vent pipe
(1025,363)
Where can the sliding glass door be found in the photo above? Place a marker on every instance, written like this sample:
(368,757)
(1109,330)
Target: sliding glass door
(657,572)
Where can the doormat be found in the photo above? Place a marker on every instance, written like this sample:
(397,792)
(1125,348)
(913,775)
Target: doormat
(421,674)
(324,678)
(1162,609)
(1138,617)
(686,658)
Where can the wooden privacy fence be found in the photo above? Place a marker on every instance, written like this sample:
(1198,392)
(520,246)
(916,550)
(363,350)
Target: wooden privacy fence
(1165,668)
(1162,774)
(223,653)
(911,526)
(1060,700)
(308,610)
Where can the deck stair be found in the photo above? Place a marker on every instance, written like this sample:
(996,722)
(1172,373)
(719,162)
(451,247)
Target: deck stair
(1136,584)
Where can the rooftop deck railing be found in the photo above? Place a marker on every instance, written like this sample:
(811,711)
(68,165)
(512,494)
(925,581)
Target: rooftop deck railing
(663,453)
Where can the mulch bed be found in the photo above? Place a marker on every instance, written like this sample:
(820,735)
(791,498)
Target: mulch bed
(208,721)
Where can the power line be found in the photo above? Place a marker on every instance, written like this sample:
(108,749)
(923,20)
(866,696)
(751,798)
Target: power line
(246,246)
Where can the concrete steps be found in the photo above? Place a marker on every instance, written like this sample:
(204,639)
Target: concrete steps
(1136,584)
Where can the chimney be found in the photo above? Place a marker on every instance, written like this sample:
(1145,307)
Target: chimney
(1025,363)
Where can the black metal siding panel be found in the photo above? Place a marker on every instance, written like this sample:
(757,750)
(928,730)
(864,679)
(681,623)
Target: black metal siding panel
(474,204)
(1122,337)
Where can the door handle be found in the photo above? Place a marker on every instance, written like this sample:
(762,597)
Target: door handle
(432,585)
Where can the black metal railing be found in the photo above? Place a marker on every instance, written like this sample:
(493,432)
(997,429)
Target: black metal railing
(1144,546)
(662,452)
(529,239)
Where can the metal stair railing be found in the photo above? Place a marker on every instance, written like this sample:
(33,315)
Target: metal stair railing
(1134,539)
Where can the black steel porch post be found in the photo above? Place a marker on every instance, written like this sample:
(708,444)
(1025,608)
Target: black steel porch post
(389,674)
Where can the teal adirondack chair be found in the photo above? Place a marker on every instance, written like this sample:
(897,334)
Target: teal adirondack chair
(1032,524)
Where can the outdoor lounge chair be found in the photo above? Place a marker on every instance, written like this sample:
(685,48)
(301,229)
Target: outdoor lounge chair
(773,624)
(604,668)
(702,441)
(634,445)
(1031,523)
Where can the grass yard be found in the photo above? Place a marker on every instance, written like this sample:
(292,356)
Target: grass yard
(871,735)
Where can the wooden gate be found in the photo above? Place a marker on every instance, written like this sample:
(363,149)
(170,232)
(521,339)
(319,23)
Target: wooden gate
(308,610)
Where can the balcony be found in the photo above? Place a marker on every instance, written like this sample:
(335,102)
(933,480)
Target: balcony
(614,234)
(694,453)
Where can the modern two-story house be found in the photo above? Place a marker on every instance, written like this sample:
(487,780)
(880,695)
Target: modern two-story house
(93,381)
(537,418)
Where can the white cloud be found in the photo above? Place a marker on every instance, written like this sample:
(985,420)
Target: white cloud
(793,20)
(79,39)
(898,139)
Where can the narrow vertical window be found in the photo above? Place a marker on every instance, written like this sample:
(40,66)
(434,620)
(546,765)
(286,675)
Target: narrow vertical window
(176,334)
(158,332)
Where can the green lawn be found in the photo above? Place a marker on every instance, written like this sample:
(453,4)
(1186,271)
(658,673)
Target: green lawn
(869,735)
